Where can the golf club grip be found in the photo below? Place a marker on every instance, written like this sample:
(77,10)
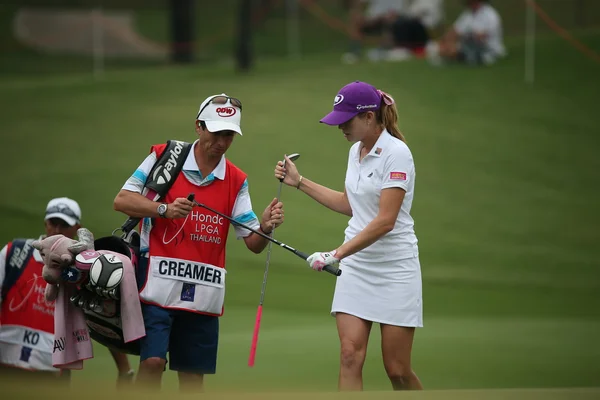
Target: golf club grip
(328,268)
(252,356)
(332,270)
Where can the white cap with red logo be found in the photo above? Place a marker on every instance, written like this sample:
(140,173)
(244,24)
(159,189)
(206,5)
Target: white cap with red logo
(220,117)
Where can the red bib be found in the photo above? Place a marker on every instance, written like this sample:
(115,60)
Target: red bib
(187,255)
(27,321)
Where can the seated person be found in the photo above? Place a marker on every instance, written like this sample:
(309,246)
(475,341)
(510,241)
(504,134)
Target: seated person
(373,18)
(475,38)
(413,31)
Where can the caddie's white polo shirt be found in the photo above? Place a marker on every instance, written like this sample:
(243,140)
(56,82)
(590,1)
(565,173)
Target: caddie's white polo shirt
(389,164)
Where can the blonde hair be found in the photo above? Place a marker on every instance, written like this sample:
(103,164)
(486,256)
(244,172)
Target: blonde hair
(388,116)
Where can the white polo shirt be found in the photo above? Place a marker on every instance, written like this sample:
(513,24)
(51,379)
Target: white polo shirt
(485,20)
(389,164)
(380,8)
(429,12)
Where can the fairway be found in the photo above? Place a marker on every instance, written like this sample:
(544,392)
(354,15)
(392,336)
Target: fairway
(505,209)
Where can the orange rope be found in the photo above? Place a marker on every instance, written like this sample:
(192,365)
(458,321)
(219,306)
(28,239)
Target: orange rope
(316,10)
(110,25)
(339,25)
(563,32)
(332,22)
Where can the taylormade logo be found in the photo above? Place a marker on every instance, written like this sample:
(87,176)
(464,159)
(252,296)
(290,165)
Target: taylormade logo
(361,107)
(164,174)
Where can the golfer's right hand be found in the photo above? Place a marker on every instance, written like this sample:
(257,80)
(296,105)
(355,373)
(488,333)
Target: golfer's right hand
(289,173)
(180,208)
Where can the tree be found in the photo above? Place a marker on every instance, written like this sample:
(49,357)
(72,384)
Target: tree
(182,30)
(243,48)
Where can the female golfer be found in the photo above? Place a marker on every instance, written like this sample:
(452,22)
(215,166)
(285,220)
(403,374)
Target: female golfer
(381,281)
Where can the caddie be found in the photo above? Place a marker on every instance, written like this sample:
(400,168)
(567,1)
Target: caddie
(181,273)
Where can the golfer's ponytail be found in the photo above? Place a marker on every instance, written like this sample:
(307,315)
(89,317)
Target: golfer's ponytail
(389,118)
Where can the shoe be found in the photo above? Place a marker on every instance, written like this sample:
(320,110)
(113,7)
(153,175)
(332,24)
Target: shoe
(398,54)
(376,54)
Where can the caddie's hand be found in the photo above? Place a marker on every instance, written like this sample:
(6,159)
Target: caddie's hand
(289,173)
(272,217)
(318,261)
(180,208)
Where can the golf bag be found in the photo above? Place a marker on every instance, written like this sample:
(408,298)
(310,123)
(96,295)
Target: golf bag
(101,303)
(102,306)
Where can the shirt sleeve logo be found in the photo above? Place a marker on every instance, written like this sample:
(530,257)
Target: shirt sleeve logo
(398,176)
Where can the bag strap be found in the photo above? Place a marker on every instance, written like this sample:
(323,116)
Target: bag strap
(17,258)
(161,177)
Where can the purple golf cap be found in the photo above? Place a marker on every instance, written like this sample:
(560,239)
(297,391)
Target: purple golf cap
(352,99)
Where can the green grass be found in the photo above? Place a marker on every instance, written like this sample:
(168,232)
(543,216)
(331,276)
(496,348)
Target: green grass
(505,208)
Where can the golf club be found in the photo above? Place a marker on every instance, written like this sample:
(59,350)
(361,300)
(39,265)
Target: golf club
(328,268)
(252,356)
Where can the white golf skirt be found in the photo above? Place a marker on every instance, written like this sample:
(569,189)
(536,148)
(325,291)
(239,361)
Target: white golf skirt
(384,292)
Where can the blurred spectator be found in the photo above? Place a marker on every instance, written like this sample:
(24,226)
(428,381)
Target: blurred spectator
(475,38)
(429,12)
(372,18)
(413,31)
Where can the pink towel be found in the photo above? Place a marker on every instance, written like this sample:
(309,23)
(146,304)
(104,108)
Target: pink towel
(72,343)
(131,310)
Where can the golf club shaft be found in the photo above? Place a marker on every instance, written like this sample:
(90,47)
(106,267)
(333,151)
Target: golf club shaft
(329,268)
(268,262)
(292,157)
(255,333)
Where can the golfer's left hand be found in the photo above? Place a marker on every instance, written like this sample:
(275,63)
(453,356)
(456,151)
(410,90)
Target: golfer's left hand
(318,261)
(272,216)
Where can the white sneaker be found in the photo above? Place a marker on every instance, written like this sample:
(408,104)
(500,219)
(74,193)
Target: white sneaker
(398,54)
(376,54)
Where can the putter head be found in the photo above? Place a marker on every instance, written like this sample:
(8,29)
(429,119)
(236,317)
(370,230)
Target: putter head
(293,157)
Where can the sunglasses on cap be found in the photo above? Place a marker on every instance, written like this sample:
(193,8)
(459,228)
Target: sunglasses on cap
(221,99)
(62,209)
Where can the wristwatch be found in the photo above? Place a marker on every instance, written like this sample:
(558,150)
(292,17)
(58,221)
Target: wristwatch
(162,210)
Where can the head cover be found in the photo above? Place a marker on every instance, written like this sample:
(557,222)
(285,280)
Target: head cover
(64,208)
(220,113)
(113,243)
(353,99)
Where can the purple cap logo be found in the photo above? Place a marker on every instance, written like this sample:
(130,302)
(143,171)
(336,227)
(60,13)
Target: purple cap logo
(351,100)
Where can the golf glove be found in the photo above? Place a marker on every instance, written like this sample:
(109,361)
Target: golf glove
(318,261)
